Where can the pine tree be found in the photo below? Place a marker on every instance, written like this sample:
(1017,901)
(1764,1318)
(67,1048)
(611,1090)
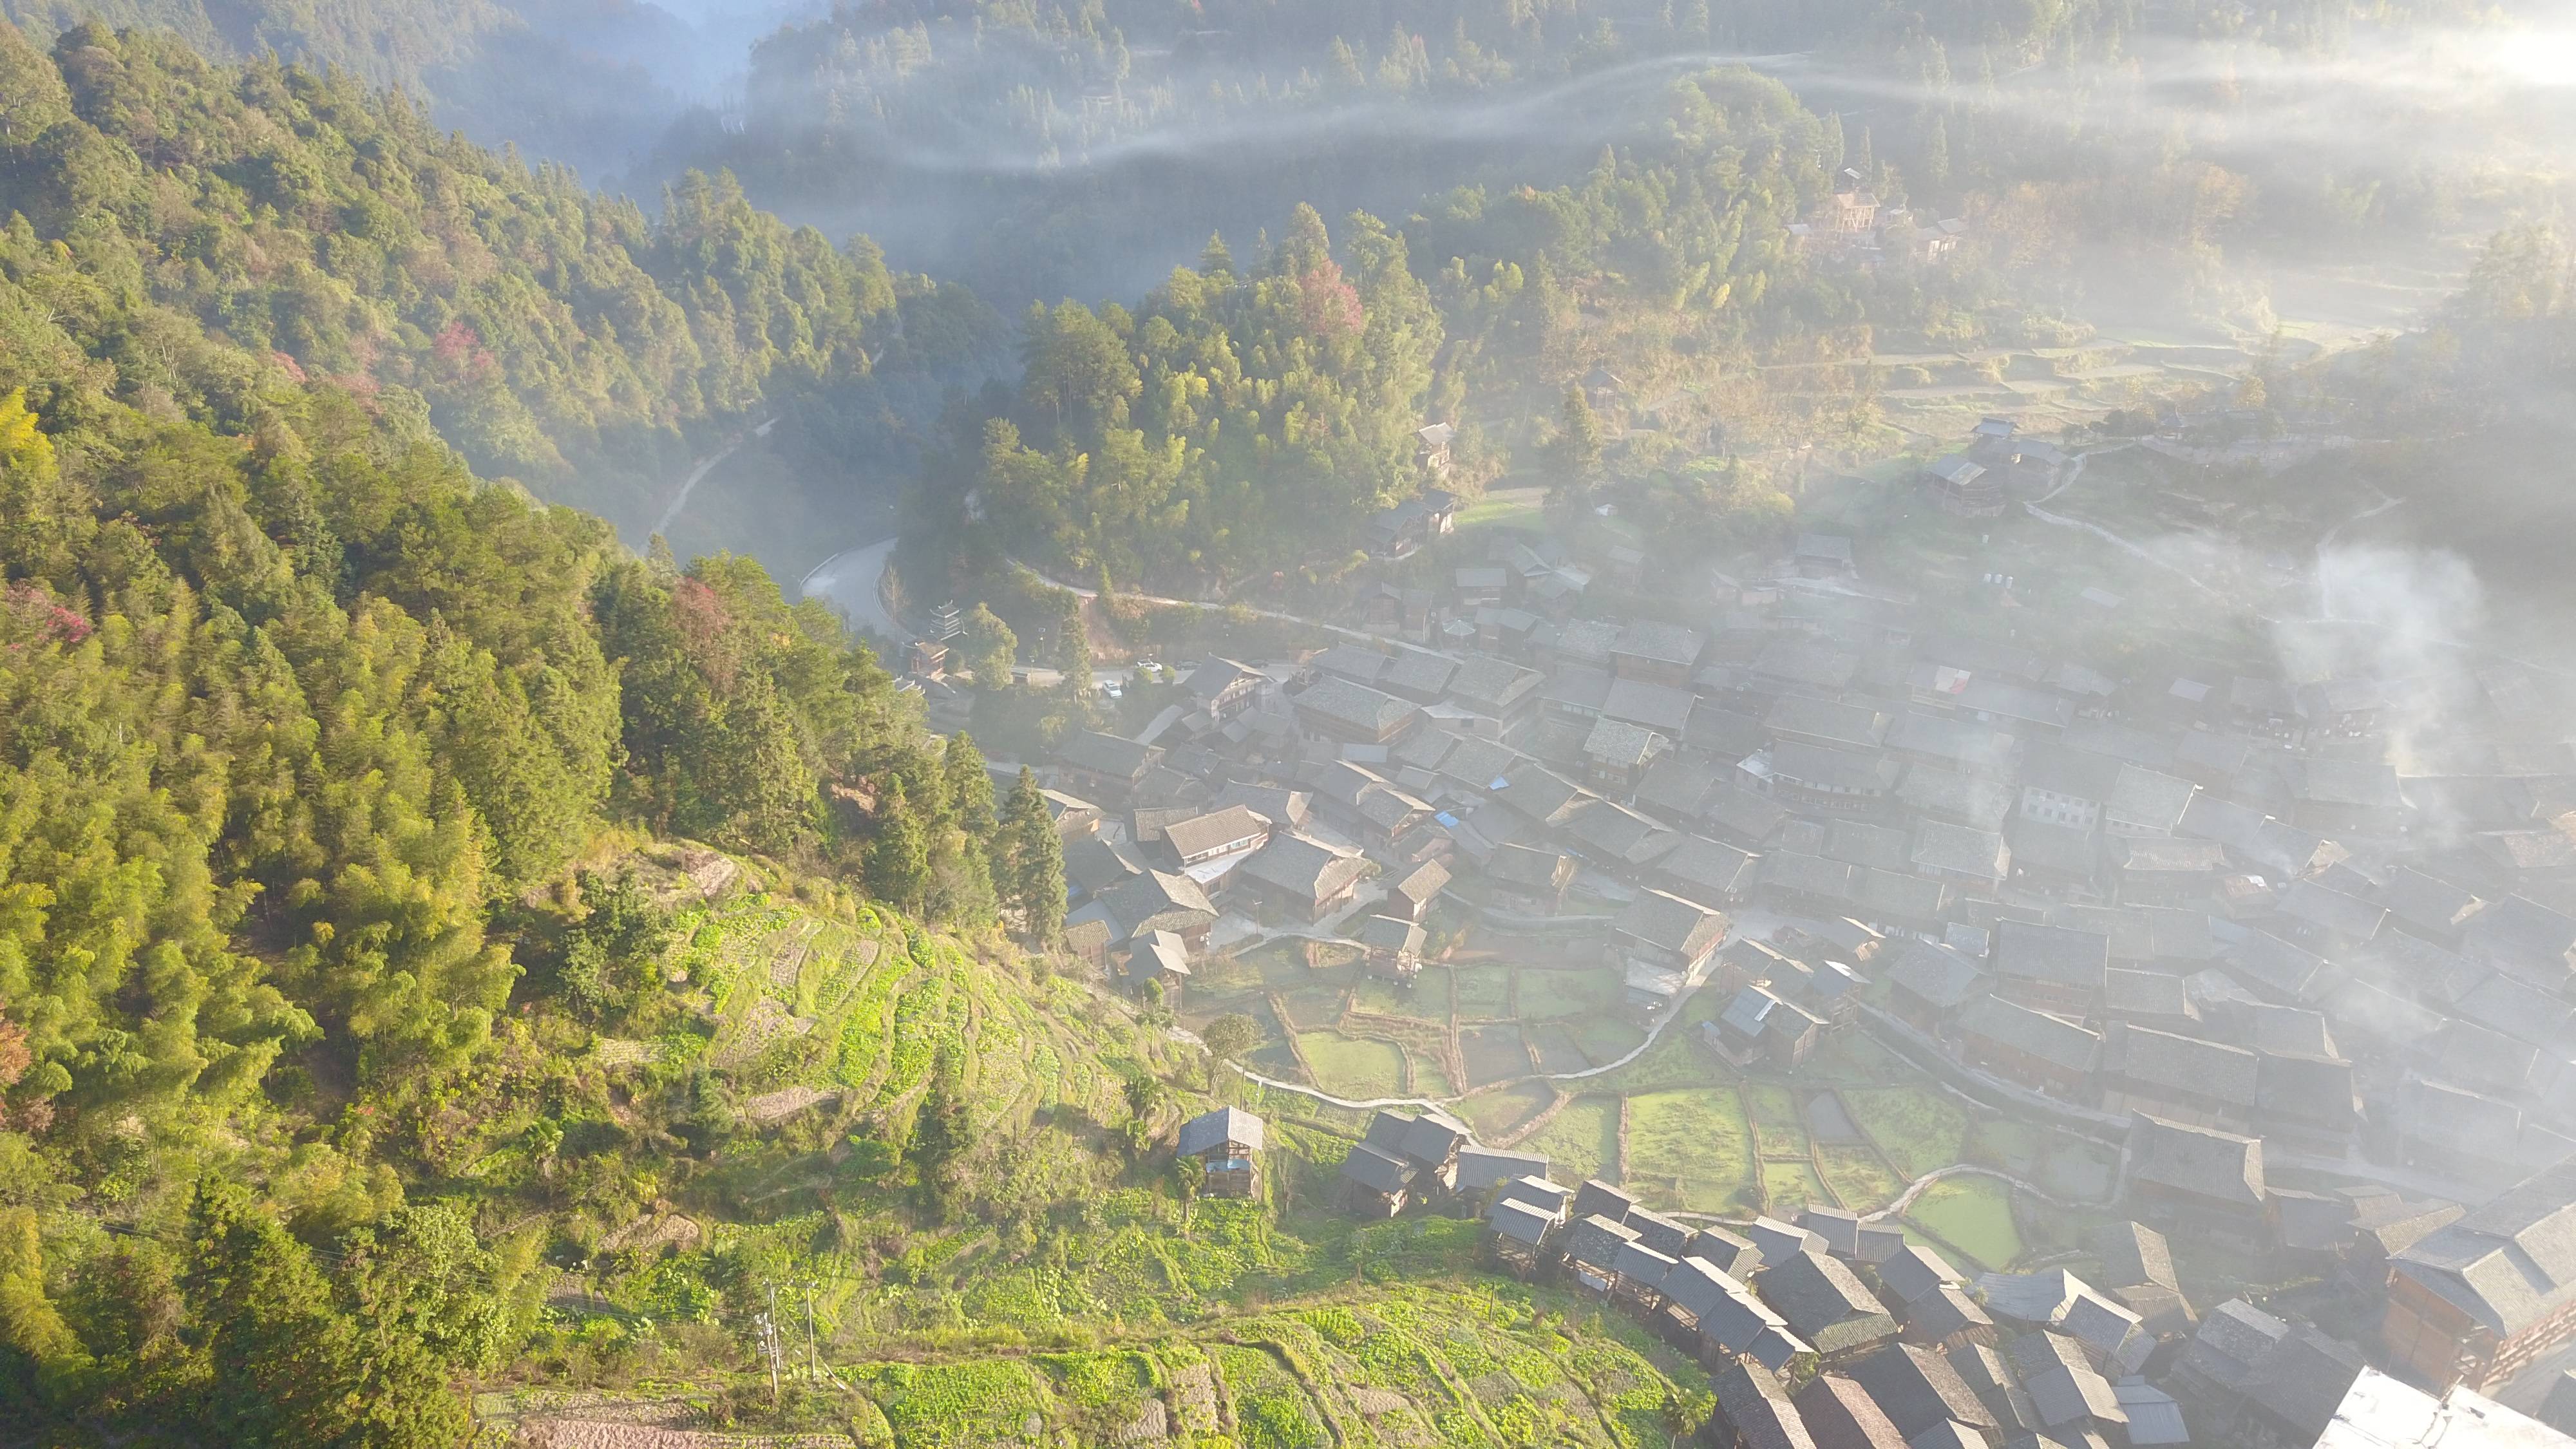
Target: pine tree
(898,860)
(1032,880)
(989,648)
(1575,452)
(970,789)
(291,1367)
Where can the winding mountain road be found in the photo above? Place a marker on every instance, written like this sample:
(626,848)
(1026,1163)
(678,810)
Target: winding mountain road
(705,466)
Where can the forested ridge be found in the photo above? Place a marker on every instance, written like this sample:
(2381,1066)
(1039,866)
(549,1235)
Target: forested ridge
(322,230)
(319,753)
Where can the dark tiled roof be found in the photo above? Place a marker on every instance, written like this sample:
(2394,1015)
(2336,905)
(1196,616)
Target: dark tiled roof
(1217,1128)
(1825,1302)
(1595,1241)
(1918,1388)
(1110,755)
(2303,1380)
(1354,706)
(2184,1064)
(1915,1272)
(2052,1039)
(1596,1197)
(1673,924)
(1941,976)
(1214,830)
(1308,867)
(1842,1415)
(2199,1160)
(2133,1253)
(1752,1400)
(2510,1263)
(2052,954)
(1376,1169)
(1944,1311)
(2062,1383)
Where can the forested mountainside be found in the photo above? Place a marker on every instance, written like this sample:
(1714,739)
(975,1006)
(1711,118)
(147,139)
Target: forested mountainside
(348,1004)
(1245,404)
(381,41)
(325,231)
(319,756)
(1115,135)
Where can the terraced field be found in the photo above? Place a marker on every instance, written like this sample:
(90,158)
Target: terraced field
(1402,1366)
(865,1008)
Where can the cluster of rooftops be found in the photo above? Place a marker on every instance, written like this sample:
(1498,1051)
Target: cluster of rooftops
(1886,1344)
(2204,894)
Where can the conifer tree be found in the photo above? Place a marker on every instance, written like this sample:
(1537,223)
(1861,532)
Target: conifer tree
(1033,878)
(898,860)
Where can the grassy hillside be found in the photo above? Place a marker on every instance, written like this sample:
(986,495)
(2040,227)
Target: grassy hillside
(1402,1366)
(1051,1267)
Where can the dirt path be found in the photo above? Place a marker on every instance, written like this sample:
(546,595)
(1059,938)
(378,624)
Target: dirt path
(1344,630)
(1654,1034)
(705,466)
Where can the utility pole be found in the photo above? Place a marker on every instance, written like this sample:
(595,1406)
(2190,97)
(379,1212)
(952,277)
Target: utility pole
(769,1344)
(813,1370)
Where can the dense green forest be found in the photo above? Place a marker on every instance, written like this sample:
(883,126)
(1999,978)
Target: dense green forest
(552,334)
(318,753)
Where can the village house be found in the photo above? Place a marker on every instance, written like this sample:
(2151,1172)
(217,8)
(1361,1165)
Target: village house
(1709,871)
(1525,1211)
(1229,1141)
(1158,958)
(2166,870)
(1153,901)
(1847,1236)
(1928,983)
(2145,803)
(1960,746)
(2071,1396)
(2051,967)
(2179,1078)
(1663,945)
(2477,1300)
(1826,723)
(1590,1249)
(1339,709)
(1402,1159)
(1826,780)
(1616,754)
(1075,818)
(1840,1414)
(1299,878)
(1920,1390)
(1412,896)
(1826,1304)
(1221,689)
(2197,1179)
(1394,946)
(1757,1024)
(1977,860)
(1655,652)
(2047,1053)
(1754,1410)
(1495,688)
(1401,531)
(1200,839)
(1960,485)
(1105,767)
(1527,880)
(2062,786)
